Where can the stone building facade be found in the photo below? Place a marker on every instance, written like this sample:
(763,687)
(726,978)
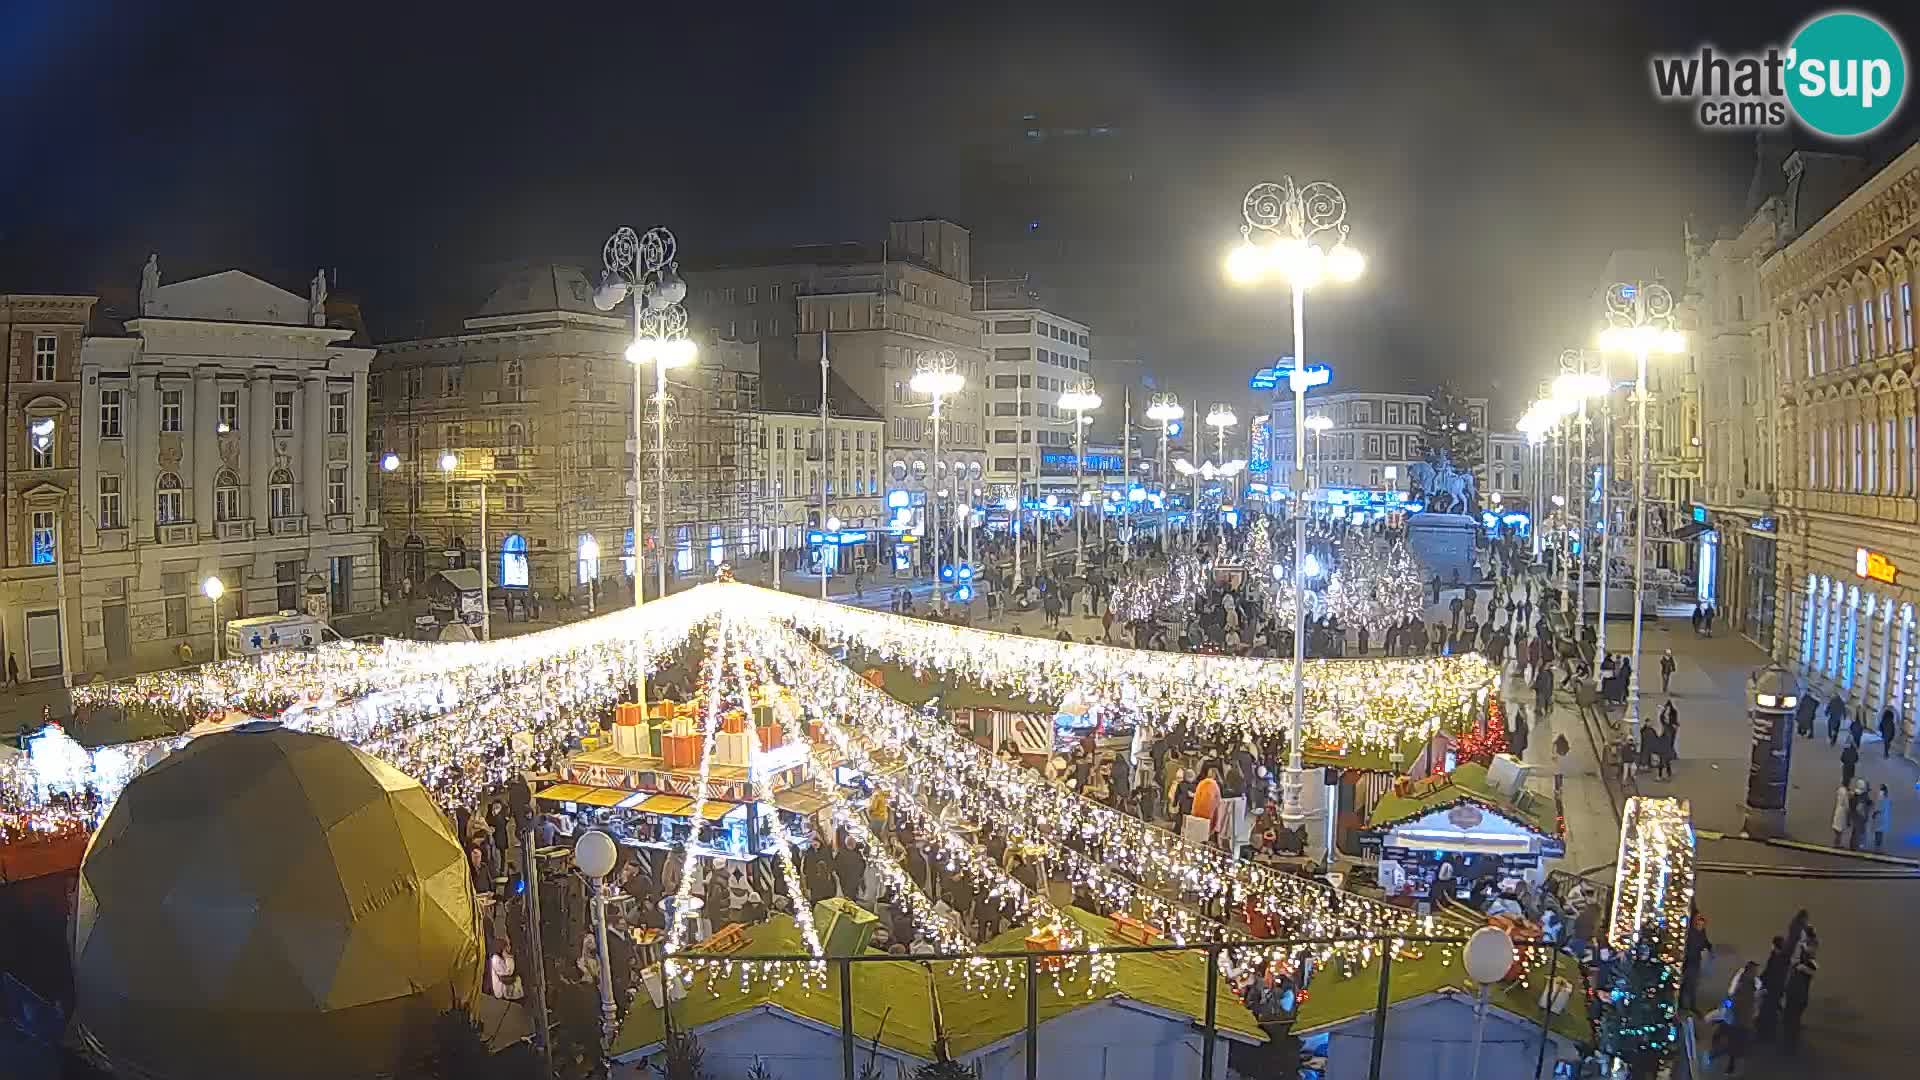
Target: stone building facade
(223,434)
(40,342)
(1840,299)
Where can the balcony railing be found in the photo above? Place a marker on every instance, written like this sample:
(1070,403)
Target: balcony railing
(289,526)
(175,533)
(233,530)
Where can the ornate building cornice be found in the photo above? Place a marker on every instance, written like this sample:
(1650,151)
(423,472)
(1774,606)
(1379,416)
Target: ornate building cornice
(1823,254)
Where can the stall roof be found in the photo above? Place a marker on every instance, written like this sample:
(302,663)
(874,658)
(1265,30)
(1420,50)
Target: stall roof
(463,579)
(1468,783)
(799,801)
(891,1004)
(604,797)
(1332,1000)
(564,792)
(671,805)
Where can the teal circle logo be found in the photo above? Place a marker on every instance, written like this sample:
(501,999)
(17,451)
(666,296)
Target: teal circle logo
(1847,74)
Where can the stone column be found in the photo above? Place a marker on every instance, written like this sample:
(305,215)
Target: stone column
(143,413)
(312,473)
(206,451)
(260,447)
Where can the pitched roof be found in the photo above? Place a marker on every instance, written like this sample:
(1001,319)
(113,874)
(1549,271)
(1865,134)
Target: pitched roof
(1468,783)
(897,993)
(541,287)
(787,389)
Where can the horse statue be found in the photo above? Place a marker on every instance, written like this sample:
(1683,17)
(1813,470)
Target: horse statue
(1447,490)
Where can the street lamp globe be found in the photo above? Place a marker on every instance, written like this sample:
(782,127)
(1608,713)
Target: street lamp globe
(213,588)
(1319,423)
(1080,399)
(449,461)
(678,352)
(1221,416)
(1165,409)
(833,524)
(594,854)
(389,462)
(1311,565)
(1344,263)
(589,549)
(642,350)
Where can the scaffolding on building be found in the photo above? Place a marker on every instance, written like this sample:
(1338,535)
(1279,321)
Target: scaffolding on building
(715,512)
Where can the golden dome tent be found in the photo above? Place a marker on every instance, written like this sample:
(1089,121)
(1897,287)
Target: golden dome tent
(266,902)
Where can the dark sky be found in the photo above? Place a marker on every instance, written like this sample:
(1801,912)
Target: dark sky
(1492,154)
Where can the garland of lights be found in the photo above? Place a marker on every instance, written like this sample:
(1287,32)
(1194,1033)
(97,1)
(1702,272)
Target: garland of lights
(710,680)
(1371,704)
(1652,905)
(1299,907)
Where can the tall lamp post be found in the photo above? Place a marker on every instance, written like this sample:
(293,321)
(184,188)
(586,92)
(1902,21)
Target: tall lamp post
(590,556)
(1164,409)
(1640,320)
(1572,390)
(1292,222)
(213,588)
(643,267)
(1221,418)
(449,463)
(594,855)
(937,375)
(1080,401)
(1319,425)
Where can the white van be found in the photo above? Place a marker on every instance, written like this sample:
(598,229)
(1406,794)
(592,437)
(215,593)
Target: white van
(265,633)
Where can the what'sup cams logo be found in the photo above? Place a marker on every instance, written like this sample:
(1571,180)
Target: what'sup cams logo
(1843,75)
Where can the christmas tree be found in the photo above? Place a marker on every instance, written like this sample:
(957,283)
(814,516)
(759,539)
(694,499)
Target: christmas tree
(1450,433)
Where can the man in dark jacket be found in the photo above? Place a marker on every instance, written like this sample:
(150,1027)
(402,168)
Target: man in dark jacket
(1836,719)
(1889,727)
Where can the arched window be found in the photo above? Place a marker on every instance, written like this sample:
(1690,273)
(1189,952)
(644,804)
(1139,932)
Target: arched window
(280,493)
(169,502)
(513,562)
(516,436)
(512,375)
(226,496)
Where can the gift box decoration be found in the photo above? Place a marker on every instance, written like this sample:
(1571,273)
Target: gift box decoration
(1047,941)
(734,722)
(655,732)
(661,709)
(1259,920)
(731,748)
(680,751)
(1133,930)
(684,725)
(762,714)
(845,928)
(770,735)
(816,731)
(590,743)
(627,713)
(786,709)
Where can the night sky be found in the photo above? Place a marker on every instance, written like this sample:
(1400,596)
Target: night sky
(1492,154)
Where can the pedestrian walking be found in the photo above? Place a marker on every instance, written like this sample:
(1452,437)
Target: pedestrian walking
(1882,818)
(1543,692)
(1773,980)
(1698,945)
(1839,822)
(1803,714)
(1836,716)
(1888,728)
(1666,672)
(1561,748)
(1793,1000)
(1699,613)
(1859,813)
(1743,996)
(1518,739)
(1857,724)
(1849,761)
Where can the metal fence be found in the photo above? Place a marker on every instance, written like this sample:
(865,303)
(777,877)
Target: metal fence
(994,1012)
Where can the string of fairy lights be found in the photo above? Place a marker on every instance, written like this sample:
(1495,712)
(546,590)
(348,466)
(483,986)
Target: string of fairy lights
(1652,905)
(1377,703)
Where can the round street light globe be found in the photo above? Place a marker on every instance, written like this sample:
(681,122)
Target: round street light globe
(1279,572)
(679,352)
(1053,501)
(640,351)
(449,462)
(594,853)
(1010,503)
(1344,263)
(1489,955)
(1245,264)
(390,462)
(214,589)
(1311,564)
(833,524)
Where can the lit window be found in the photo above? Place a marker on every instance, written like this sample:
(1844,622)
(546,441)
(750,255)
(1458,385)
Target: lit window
(42,540)
(229,411)
(42,442)
(171,405)
(280,493)
(513,375)
(283,410)
(226,496)
(337,412)
(110,414)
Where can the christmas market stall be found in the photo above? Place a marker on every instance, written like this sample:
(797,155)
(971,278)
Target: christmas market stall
(1466,833)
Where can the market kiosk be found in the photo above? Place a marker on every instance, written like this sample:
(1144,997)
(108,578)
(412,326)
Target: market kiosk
(1478,829)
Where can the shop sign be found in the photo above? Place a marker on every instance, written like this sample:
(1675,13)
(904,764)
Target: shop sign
(1465,817)
(1764,524)
(1875,566)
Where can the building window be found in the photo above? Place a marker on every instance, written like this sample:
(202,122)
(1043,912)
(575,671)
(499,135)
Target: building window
(283,410)
(514,498)
(110,414)
(169,503)
(226,496)
(1811,372)
(336,489)
(414,378)
(513,375)
(753,294)
(280,493)
(42,443)
(176,607)
(1866,329)
(41,553)
(337,412)
(110,502)
(46,357)
(1889,341)
(170,408)
(516,436)
(453,381)
(1906,315)
(229,411)
(453,496)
